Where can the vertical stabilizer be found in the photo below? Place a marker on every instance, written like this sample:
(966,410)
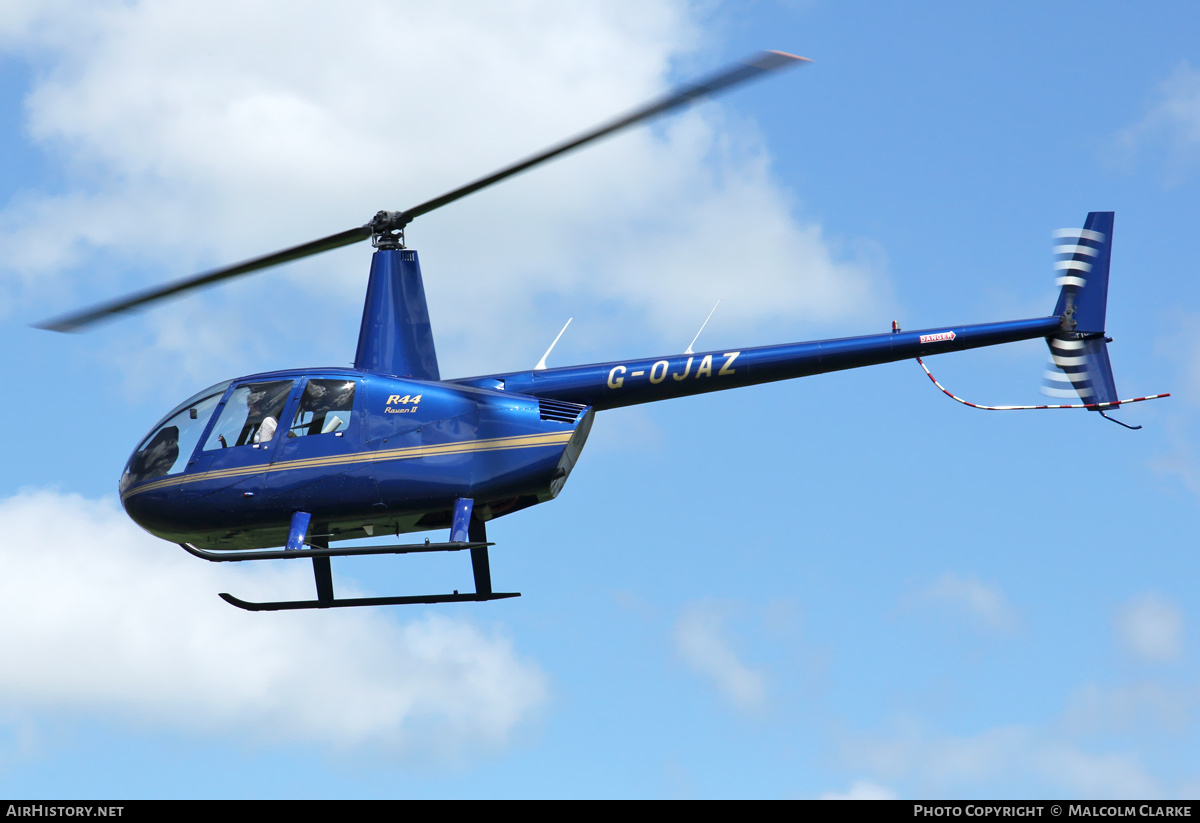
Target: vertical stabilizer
(395,337)
(1082,258)
(1079,364)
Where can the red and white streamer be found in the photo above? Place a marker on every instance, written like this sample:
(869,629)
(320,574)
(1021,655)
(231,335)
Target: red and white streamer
(1112,404)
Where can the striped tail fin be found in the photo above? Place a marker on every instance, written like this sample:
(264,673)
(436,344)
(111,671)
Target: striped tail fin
(1079,364)
(1079,368)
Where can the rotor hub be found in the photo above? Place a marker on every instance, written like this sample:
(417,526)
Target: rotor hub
(387,229)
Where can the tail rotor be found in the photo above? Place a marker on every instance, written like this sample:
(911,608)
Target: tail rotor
(1079,367)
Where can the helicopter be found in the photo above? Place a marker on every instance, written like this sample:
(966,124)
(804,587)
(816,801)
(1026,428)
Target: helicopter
(285,465)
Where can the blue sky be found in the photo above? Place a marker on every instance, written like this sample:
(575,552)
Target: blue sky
(841,586)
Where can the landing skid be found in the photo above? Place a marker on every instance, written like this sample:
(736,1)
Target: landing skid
(467,532)
(285,605)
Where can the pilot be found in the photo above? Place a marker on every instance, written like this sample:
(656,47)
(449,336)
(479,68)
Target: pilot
(158,456)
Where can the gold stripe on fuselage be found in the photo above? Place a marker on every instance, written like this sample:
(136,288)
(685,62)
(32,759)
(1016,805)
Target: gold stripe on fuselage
(528,441)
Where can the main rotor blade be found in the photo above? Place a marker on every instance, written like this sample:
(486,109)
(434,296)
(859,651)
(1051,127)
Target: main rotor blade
(386,222)
(760,64)
(77,320)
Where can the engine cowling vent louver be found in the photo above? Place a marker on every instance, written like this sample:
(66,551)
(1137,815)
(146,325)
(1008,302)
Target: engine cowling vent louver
(559,411)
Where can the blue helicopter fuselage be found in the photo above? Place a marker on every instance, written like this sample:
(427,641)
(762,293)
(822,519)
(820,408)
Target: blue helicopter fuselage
(388,447)
(396,458)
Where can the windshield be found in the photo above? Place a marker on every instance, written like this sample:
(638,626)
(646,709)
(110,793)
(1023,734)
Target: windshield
(167,448)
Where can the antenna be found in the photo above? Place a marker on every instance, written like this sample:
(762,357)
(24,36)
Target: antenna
(542,363)
(702,325)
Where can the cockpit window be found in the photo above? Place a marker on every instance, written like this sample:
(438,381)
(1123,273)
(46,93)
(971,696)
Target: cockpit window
(325,408)
(167,449)
(251,415)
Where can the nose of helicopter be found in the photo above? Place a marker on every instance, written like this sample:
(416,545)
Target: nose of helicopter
(151,477)
(152,509)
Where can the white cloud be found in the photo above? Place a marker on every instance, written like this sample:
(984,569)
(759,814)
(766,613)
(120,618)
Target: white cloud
(1174,120)
(1091,774)
(997,757)
(1096,709)
(861,790)
(1151,628)
(104,618)
(1180,348)
(199,133)
(939,759)
(701,639)
(985,604)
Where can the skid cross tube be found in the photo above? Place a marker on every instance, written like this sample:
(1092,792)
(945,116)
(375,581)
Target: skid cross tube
(345,551)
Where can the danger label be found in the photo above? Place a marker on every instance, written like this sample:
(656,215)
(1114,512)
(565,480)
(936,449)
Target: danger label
(938,337)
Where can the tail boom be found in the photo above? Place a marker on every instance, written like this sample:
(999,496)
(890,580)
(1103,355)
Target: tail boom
(626,383)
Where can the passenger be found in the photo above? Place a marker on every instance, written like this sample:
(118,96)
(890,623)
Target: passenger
(260,420)
(266,430)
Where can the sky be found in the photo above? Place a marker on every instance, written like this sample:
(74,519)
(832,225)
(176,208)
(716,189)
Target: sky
(845,586)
